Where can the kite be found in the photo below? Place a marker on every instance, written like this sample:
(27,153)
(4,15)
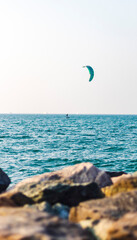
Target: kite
(91,72)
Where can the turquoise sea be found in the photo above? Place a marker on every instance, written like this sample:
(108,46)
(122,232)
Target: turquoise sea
(33,144)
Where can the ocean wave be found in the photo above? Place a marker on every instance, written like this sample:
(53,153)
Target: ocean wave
(113,148)
(36,144)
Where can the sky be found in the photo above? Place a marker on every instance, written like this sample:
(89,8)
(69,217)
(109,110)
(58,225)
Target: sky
(45,43)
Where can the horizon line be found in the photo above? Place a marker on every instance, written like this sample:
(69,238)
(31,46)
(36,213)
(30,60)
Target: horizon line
(10,113)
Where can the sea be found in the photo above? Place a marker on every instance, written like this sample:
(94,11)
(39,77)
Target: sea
(32,144)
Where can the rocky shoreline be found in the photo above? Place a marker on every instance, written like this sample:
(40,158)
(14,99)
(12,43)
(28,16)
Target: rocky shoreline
(77,202)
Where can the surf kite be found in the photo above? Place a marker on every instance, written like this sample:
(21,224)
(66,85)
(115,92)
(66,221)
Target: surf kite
(91,72)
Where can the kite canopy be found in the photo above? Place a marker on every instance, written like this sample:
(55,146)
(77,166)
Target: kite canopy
(91,72)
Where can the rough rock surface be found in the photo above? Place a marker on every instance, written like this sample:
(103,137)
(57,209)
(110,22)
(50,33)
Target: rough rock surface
(123,229)
(38,207)
(79,173)
(65,192)
(28,224)
(112,218)
(110,208)
(14,199)
(4,181)
(115,179)
(122,185)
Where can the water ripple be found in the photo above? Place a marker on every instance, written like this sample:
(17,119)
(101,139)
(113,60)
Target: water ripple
(34,144)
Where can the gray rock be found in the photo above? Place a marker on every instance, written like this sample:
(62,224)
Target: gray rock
(79,173)
(103,180)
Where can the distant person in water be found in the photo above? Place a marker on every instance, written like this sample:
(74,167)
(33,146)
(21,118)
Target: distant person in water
(67,116)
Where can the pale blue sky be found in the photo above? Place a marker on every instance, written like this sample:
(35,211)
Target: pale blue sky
(45,43)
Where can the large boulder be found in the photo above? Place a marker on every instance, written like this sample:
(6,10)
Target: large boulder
(4,181)
(111,208)
(110,218)
(65,192)
(27,223)
(67,186)
(79,173)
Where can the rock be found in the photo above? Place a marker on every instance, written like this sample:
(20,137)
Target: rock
(124,228)
(4,181)
(43,207)
(79,173)
(61,210)
(28,224)
(122,185)
(57,209)
(20,199)
(134,174)
(65,192)
(102,179)
(14,199)
(100,228)
(6,201)
(115,179)
(111,208)
(115,174)
(112,218)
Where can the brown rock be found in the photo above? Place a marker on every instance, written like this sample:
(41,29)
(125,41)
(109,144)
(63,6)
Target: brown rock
(14,199)
(6,201)
(115,179)
(79,173)
(109,208)
(4,181)
(123,229)
(124,184)
(113,218)
(28,224)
